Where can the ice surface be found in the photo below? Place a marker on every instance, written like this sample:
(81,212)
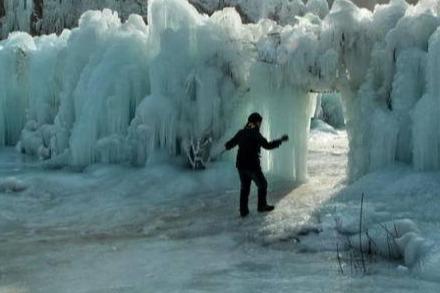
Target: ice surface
(115,228)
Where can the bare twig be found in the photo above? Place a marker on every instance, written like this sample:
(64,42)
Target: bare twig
(395,229)
(391,236)
(389,246)
(339,259)
(360,234)
(351,262)
(370,241)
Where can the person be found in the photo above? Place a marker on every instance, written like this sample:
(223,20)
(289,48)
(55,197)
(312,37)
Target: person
(250,141)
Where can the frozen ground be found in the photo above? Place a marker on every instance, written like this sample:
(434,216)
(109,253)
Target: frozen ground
(166,229)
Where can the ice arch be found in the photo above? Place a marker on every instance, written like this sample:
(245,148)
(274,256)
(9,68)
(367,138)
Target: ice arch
(115,92)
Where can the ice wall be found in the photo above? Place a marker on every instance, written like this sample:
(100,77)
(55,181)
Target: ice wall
(81,89)
(116,92)
(426,126)
(13,95)
(18,16)
(382,124)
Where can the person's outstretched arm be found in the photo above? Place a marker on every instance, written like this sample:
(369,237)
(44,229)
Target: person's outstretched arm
(273,144)
(232,142)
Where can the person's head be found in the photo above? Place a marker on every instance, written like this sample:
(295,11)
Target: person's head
(255,119)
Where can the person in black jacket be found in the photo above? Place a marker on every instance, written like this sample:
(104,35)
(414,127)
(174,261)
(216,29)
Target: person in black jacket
(250,141)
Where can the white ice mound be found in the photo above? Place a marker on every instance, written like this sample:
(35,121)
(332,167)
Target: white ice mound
(413,247)
(399,239)
(12,184)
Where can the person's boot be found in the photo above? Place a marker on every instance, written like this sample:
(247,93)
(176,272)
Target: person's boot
(244,213)
(265,208)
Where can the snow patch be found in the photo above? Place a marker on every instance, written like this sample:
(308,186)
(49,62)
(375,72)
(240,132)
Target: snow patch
(12,184)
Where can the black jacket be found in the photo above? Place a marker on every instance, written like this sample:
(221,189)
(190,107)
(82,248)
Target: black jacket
(250,141)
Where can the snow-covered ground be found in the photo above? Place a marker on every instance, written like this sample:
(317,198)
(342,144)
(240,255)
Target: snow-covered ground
(168,229)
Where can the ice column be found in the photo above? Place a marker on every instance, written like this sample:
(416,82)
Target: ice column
(426,128)
(286,109)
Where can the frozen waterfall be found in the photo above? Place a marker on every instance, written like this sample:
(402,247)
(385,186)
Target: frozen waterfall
(117,92)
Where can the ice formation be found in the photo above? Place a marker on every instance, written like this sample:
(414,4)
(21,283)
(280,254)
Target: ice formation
(12,184)
(329,109)
(399,239)
(115,92)
(52,16)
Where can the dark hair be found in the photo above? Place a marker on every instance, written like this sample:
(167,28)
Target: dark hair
(255,118)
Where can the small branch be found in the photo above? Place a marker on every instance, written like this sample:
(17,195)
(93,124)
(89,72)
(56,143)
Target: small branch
(339,258)
(395,230)
(370,241)
(360,234)
(390,235)
(389,246)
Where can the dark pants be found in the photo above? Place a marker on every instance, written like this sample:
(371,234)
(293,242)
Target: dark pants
(246,177)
